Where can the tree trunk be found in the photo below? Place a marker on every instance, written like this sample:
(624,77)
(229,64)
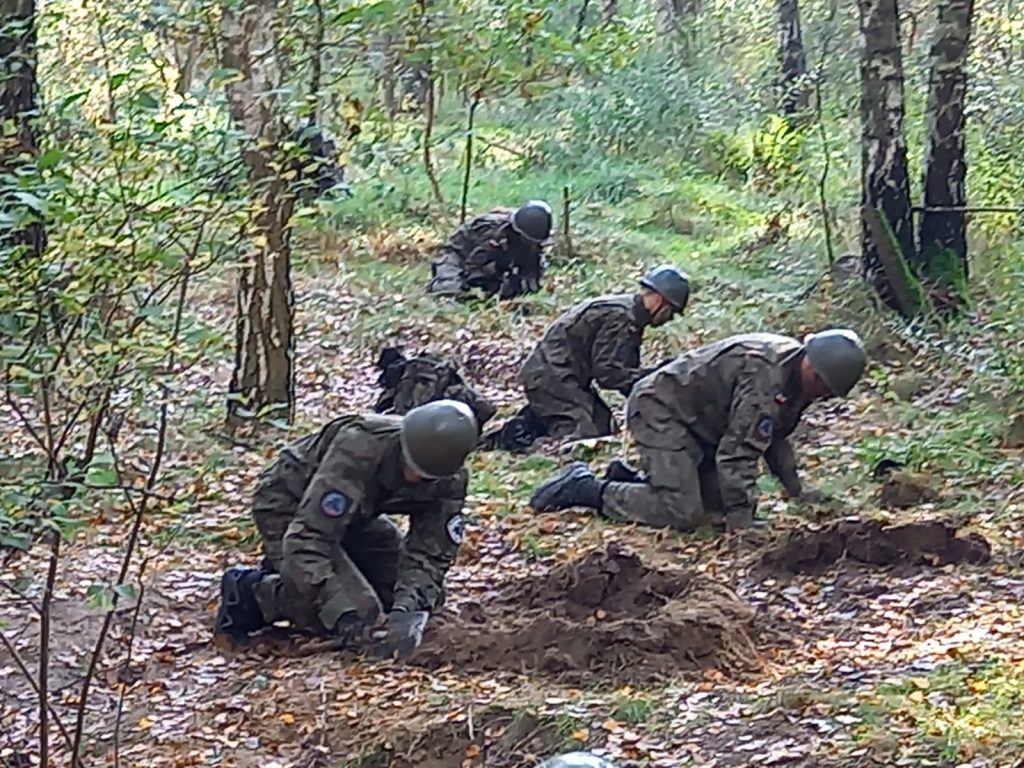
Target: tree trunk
(943,234)
(18,109)
(610,11)
(885,185)
(792,59)
(671,12)
(263,380)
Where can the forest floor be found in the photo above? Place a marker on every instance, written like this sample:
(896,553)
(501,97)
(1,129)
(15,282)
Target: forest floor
(652,647)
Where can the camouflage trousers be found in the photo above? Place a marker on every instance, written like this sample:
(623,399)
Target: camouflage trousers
(447,275)
(679,489)
(358,574)
(569,410)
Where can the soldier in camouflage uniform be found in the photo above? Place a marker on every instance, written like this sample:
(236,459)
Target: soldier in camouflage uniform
(501,252)
(597,344)
(333,561)
(702,423)
(409,382)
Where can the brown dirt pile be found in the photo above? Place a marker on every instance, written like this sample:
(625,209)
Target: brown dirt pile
(871,542)
(604,616)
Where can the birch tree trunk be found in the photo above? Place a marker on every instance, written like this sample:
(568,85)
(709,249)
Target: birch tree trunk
(792,59)
(18,109)
(263,380)
(943,233)
(885,185)
(609,11)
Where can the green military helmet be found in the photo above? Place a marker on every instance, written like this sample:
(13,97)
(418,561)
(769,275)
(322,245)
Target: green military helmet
(577,760)
(533,220)
(671,283)
(837,356)
(437,437)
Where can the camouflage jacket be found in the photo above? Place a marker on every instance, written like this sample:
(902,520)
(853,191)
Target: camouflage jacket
(415,381)
(740,395)
(596,341)
(489,259)
(351,472)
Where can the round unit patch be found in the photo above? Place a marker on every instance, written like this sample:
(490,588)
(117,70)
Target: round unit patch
(765,427)
(456,528)
(334,504)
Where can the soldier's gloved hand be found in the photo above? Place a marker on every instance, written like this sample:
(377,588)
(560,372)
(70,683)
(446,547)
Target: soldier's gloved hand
(349,628)
(531,282)
(404,634)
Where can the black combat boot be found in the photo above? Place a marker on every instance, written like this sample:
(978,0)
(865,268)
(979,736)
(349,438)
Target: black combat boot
(619,471)
(239,613)
(576,486)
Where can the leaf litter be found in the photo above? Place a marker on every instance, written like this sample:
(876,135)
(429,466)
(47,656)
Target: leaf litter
(748,690)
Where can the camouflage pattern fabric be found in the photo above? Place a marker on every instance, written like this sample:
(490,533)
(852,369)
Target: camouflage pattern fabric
(410,382)
(321,507)
(594,344)
(703,422)
(484,253)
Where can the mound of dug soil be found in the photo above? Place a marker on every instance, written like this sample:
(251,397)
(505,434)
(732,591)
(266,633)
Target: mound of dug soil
(606,615)
(870,542)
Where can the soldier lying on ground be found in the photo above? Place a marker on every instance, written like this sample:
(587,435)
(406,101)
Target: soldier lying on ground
(333,561)
(594,344)
(500,252)
(702,423)
(409,382)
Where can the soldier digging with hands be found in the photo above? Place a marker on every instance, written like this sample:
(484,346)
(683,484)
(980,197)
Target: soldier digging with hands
(334,562)
(501,252)
(703,422)
(596,344)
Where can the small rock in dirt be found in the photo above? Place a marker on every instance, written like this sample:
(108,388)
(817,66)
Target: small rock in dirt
(903,489)
(908,386)
(1014,437)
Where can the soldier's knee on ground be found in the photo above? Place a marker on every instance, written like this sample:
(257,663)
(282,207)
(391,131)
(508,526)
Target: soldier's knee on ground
(680,509)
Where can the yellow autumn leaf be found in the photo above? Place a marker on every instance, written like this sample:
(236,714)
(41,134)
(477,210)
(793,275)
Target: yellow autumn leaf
(917,697)
(978,686)
(581,735)
(287,718)
(145,724)
(920,682)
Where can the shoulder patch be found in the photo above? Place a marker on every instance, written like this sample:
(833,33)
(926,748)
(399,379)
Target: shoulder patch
(765,427)
(456,528)
(334,504)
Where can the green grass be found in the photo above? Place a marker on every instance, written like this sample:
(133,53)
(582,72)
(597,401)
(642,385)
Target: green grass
(500,475)
(635,708)
(955,713)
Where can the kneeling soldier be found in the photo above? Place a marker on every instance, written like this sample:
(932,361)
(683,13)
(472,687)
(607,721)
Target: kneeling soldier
(333,560)
(703,422)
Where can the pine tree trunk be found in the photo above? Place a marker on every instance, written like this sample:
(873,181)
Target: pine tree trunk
(885,185)
(943,233)
(792,59)
(263,380)
(18,109)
